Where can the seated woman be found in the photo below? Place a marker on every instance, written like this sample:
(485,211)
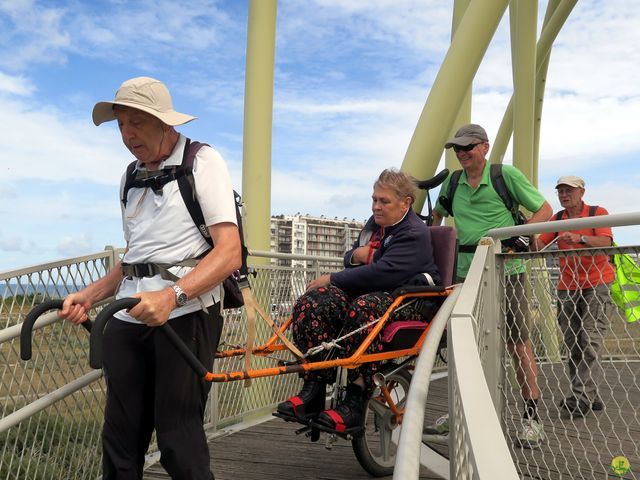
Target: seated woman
(393,249)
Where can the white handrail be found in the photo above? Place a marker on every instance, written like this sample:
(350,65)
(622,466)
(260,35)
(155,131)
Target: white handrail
(613,220)
(408,457)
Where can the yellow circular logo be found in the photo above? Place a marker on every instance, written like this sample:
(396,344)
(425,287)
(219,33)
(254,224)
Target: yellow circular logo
(620,465)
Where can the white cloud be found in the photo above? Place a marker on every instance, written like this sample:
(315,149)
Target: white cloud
(15,85)
(350,83)
(43,142)
(11,244)
(36,35)
(71,246)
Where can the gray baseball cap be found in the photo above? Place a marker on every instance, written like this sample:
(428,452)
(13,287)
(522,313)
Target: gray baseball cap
(467,135)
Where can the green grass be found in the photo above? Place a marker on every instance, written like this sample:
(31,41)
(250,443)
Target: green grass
(51,447)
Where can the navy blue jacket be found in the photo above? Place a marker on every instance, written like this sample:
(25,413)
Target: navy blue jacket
(405,253)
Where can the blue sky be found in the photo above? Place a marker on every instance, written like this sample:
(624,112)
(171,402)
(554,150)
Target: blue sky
(351,80)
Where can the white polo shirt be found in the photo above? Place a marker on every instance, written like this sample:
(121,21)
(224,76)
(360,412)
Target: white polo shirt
(158,227)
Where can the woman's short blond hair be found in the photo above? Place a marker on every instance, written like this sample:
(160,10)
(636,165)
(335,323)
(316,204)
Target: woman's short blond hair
(402,184)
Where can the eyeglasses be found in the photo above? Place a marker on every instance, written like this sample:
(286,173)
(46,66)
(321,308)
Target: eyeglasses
(465,148)
(566,190)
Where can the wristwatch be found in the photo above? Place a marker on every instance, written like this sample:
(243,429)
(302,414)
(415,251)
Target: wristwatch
(583,239)
(181,297)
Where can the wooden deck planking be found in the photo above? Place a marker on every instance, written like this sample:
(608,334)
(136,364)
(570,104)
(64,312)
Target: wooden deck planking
(578,448)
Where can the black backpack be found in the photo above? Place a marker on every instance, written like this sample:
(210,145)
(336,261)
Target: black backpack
(183,174)
(498,184)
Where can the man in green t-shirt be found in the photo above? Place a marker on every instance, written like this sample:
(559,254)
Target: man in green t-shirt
(477,209)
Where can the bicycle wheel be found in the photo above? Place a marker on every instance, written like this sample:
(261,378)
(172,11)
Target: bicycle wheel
(377,446)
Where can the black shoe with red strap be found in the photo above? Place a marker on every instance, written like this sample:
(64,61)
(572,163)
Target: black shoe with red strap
(306,405)
(348,417)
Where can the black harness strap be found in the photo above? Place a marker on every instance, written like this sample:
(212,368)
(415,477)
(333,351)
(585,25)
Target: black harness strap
(497,182)
(592,213)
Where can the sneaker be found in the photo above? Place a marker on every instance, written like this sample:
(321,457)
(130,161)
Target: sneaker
(570,402)
(577,407)
(597,405)
(440,427)
(531,435)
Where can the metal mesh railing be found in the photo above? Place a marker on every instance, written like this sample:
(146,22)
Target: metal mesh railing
(52,405)
(62,440)
(583,348)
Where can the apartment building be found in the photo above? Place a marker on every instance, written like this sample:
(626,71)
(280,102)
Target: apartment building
(308,235)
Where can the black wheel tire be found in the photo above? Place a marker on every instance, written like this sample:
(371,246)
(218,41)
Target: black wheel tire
(377,446)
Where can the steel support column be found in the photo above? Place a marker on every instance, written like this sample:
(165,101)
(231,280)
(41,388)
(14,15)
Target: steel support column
(258,113)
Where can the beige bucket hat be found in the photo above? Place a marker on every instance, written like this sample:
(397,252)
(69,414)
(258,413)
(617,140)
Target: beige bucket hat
(146,94)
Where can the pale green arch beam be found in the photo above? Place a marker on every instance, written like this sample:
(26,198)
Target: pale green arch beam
(464,113)
(549,33)
(523,15)
(460,65)
(541,78)
(258,120)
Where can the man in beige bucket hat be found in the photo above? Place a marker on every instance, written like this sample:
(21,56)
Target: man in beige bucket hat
(171,268)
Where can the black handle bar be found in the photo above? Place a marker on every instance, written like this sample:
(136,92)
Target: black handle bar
(95,340)
(433,182)
(26,332)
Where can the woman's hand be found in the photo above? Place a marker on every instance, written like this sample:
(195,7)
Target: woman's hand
(322,281)
(362,255)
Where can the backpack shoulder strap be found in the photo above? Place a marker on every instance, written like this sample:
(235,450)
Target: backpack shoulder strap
(187,186)
(499,185)
(558,216)
(451,190)
(128,182)
(592,210)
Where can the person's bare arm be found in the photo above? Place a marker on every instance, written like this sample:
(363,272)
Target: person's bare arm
(590,240)
(76,305)
(543,214)
(437,218)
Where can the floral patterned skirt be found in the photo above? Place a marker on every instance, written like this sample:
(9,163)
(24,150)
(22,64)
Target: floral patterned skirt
(326,313)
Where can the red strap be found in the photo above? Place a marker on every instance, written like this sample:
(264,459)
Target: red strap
(374,243)
(372,248)
(337,419)
(297,401)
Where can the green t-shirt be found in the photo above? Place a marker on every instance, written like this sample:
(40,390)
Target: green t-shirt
(478,211)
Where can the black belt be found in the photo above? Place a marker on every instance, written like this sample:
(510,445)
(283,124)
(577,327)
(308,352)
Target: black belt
(467,248)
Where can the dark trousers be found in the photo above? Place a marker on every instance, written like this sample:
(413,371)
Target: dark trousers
(583,316)
(150,386)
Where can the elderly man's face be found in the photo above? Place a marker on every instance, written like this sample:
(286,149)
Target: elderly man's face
(473,158)
(570,197)
(142,134)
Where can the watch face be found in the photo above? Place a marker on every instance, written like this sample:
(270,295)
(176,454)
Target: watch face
(182,299)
